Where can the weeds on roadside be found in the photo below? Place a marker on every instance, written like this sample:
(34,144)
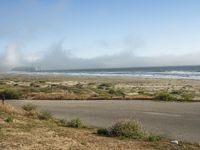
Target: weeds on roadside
(174,96)
(153,138)
(74,123)
(103,131)
(165,96)
(129,130)
(29,107)
(124,129)
(45,115)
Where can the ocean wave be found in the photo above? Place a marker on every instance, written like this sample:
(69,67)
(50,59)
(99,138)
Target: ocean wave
(166,74)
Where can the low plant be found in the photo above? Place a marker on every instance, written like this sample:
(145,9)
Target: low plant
(29,107)
(124,129)
(153,138)
(165,96)
(62,122)
(9,119)
(75,123)
(127,129)
(8,109)
(103,131)
(45,115)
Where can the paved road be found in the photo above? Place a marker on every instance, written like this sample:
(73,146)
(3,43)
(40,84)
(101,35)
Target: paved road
(175,120)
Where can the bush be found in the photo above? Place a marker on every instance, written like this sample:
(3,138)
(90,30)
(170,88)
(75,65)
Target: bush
(29,107)
(62,122)
(127,129)
(9,119)
(45,115)
(153,138)
(10,94)
(165,96)
(103,131)
(74,123)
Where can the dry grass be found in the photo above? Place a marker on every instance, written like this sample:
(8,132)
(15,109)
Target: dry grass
(29,133)
(7,108)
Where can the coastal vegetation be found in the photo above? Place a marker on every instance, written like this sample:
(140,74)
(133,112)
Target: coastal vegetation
(124,129)
(174,96)
(74,123)
(29,107)
(94,88)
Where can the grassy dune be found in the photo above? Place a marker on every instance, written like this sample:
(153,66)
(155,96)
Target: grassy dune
(64,88)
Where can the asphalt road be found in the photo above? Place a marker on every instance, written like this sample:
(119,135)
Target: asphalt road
(179,121)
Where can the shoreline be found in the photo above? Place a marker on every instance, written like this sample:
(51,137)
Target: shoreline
(123,77)
(101,75)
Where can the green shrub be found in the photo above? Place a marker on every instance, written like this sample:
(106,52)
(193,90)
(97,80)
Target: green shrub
(165,96)
(11,94)
(29,107)
(153,138)
(62,122)
(45,115)
(103,131)
(127,129)
(9,119)
(75,123)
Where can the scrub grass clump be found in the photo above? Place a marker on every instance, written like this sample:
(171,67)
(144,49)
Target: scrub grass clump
(29,107)
(124,129)
(74,123)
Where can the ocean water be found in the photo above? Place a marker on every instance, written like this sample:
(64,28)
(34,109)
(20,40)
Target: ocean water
(180,72)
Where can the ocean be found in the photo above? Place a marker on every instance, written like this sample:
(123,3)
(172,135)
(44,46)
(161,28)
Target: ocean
(180,72)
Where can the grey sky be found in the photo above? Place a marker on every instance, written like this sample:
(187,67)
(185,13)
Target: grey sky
(72,34)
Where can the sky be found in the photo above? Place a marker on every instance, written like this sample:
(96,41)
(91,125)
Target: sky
(74,34)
